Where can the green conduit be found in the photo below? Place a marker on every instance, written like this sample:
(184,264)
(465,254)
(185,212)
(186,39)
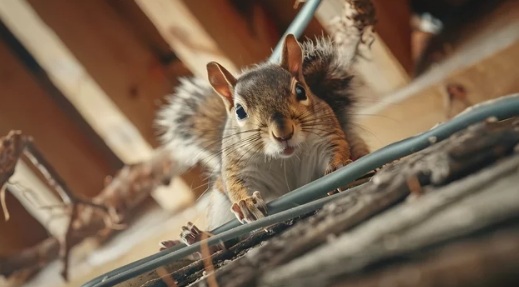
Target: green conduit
(313,195)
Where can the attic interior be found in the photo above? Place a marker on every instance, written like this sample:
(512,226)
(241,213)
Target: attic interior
(82,81)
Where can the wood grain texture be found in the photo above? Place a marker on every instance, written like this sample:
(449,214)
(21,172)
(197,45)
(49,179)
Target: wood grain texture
(130,75)
(26,106)
(231,31)
(421,107)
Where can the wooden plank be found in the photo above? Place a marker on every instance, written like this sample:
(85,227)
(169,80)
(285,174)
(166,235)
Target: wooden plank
(481,61)
(74,81)
(231,31)
(93,103)
(186,35)
(143,29)
(422,105)
(150,37)
(394,28)
(130,75)
(26,106)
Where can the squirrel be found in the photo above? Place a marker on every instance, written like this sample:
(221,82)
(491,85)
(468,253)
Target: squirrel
(264,133)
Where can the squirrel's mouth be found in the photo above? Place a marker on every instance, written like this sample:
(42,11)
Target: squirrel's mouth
(288,150)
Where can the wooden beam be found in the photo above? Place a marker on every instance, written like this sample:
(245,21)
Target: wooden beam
(381,70)
(150,37)
(231,31)
(74,81)
(27,107)
(186,35)
(109,51)
(421,105)
(394,28)
(82,90)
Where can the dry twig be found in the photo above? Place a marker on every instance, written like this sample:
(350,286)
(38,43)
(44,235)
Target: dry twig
(11,149)
(88,217)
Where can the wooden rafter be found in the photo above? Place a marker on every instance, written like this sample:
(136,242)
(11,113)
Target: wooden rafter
(186,35)
(123,121)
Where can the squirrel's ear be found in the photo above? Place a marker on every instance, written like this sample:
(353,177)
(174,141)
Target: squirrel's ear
(222,81)
(292,58)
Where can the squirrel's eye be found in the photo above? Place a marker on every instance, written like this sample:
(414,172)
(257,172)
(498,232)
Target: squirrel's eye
(300,92)
(240,112)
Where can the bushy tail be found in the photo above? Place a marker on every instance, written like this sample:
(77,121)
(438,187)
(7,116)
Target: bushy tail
(327,64)
(191,124)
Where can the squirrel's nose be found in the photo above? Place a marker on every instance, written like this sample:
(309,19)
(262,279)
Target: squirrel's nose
(283,134)
(282,128)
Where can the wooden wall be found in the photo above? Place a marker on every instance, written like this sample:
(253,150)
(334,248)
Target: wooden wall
(85,78)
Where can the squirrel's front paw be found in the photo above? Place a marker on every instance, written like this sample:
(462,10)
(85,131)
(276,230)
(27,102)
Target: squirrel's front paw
(250,209)
(333,167)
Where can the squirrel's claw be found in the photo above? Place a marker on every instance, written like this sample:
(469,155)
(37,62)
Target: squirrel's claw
(191,234)
(250,209)
(333,167)
(168,244)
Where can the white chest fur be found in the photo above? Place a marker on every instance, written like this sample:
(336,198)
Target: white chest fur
(272,178)
(275,177)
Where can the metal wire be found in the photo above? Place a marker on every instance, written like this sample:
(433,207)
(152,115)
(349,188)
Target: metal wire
(297,26)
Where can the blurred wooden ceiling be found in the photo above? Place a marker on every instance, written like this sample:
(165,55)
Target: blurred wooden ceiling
(85,78)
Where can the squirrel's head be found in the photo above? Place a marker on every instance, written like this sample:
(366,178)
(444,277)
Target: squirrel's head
(271,104)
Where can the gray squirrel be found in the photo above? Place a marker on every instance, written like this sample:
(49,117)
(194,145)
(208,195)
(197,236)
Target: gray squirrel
(270,130)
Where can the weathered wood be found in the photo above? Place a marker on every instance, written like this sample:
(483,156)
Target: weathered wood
(495,256)
(38,199)
(191,272)
(461,208)
(366,244)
